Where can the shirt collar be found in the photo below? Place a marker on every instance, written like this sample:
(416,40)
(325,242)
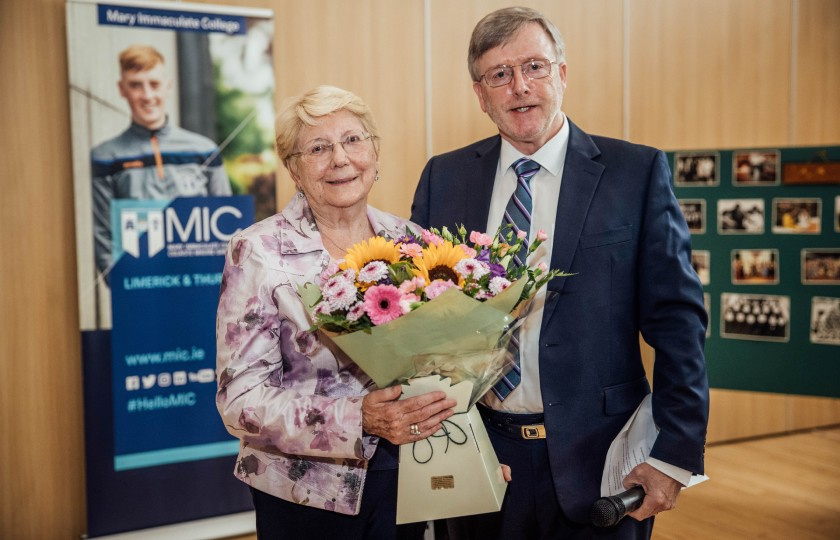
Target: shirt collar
(550,156)
(146,132)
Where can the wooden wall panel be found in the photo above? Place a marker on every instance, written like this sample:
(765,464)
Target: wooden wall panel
(41,464)
(805,412)
(817,101)
(738,415)
(374,49)
(710,74)
(592,32)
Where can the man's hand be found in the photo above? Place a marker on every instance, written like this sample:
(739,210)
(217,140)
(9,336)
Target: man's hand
(661,491)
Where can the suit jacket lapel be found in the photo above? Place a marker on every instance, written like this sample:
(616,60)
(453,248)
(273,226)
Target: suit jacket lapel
(478,190)
(581,175)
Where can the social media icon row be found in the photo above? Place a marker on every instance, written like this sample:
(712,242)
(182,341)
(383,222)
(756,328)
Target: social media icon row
(163,380)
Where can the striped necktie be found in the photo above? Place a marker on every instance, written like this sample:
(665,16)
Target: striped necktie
(518,214)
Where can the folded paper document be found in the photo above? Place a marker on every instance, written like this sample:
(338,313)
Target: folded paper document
(632,447)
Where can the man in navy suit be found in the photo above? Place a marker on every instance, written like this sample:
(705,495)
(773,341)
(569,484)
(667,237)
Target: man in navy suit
(612,220)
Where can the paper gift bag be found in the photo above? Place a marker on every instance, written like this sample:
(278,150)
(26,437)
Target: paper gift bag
(453,473)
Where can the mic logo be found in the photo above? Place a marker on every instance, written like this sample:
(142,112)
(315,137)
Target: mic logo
(190,233)
(134,222)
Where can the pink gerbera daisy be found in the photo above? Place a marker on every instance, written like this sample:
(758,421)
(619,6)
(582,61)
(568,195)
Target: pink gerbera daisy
(382,303)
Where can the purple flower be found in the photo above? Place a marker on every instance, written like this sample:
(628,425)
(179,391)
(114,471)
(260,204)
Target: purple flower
(496,270)
(406,239)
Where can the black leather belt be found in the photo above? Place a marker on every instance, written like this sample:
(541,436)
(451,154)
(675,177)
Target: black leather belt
(520,426)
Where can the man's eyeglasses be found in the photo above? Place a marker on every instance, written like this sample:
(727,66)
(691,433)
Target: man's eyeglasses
(319,152)
(502,75)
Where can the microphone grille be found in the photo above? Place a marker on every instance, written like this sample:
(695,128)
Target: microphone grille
(605,513)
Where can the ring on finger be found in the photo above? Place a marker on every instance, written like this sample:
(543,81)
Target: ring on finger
(414,429)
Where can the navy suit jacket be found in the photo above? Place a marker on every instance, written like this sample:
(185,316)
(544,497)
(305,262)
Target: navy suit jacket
(620,230)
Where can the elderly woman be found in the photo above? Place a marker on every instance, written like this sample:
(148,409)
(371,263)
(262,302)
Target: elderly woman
(317,441)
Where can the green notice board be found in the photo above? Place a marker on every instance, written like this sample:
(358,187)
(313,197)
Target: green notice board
(766,243)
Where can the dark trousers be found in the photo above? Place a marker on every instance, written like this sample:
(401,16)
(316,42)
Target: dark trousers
(280,519)
(530,510)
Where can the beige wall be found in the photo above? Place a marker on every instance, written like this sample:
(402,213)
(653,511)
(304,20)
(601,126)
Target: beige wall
(671,73)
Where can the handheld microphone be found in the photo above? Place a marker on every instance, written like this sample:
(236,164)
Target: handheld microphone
(607,511)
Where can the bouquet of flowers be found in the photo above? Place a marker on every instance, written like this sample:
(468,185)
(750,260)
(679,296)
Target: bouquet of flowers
(434,302)
(434,311)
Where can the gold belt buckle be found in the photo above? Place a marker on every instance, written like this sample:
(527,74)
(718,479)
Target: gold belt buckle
(533,432)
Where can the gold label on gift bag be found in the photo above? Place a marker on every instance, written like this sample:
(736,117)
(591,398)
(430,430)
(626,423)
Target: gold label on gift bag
(443,482)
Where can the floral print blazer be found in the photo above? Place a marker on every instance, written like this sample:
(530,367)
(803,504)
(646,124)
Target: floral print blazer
(293,399)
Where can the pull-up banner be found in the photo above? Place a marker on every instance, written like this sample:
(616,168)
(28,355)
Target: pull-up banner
(172,119)
(164,290)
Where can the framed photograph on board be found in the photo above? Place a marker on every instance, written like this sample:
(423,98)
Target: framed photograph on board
(694,211)
(756,168)
(820,171)
(796,216)
(760,317)
(837,213)
(821,266)
(825,320)
(700,260)
(707,302)
(740,216)
(697,169)
(755,266)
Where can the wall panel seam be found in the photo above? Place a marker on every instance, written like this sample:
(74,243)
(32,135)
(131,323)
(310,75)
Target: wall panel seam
(794,51)
(625,72)
(427,67)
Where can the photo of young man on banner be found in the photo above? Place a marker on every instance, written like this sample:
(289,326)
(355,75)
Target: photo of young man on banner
(172,119)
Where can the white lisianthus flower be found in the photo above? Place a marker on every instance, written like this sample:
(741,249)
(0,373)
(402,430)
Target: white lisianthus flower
(472,267)
(498,284)
(356,312)
(373,272)
(322,308)
(341,296)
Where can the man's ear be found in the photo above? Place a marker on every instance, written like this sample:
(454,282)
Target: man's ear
(120,88)
(561,70)
(479,91)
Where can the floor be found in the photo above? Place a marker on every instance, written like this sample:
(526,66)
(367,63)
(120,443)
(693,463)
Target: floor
(781,487)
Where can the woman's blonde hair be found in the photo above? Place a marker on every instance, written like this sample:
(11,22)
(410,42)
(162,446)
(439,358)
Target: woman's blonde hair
(307,108)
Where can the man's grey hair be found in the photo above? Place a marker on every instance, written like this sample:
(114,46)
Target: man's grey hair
(499,27)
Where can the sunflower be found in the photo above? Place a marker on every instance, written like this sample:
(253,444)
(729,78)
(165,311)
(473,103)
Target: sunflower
(438,262)
(373,249)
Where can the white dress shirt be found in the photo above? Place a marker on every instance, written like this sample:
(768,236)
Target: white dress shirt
(545,190)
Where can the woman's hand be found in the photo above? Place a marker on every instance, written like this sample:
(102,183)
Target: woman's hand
(385,415)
